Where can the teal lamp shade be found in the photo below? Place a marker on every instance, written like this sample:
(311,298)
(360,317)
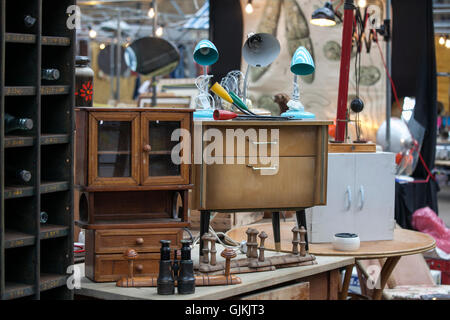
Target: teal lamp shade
(205,53)
(302,63)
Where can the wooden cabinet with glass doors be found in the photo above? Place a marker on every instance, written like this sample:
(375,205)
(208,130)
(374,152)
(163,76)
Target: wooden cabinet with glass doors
(133,174)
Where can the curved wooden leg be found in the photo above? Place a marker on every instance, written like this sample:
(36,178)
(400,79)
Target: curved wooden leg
(385,273)
(346,284)
(276,230)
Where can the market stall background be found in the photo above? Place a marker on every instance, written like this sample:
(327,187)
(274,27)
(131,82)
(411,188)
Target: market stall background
(319,93)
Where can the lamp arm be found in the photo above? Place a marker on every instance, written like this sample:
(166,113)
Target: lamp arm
(244,91)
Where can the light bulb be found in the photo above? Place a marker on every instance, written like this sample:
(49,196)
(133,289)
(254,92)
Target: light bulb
(92,33)
(447,43)
(441,41)
(362,3)
(249,8)
(323,22)
(151,13)
(102,46)
(159,32)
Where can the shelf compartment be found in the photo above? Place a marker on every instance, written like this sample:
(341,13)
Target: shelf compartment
(18,141)
(27,141)
(15,239)
(55,41)
(20,38)
(17,290)
(55,90)
(54,186)
(48,139)
(50,281)
(12,192)
(20,91)
(50,231)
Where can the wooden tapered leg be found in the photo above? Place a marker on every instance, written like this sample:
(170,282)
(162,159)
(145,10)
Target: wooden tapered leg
(276,230)
(346,284)
(205,216)
(301,221)
(385,273)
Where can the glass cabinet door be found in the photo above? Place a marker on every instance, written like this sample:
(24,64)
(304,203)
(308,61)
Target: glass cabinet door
(113,157)
(158,150)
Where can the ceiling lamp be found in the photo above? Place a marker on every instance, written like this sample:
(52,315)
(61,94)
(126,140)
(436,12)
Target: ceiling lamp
(324,16)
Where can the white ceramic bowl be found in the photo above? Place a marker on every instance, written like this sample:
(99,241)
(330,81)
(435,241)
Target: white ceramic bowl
(346,242)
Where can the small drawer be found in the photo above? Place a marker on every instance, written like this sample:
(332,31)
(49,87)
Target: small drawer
(290,183)
(248,141)
(112,267)
(142,240)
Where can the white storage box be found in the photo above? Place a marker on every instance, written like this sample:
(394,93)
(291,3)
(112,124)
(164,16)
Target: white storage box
(360,198)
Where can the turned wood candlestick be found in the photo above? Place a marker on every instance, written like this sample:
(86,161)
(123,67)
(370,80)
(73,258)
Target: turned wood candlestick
(130,255)
(205,257)
(262,236)
(228,254)
(249,240)
(213,251)
(253,244)
(302,241)
(295,239)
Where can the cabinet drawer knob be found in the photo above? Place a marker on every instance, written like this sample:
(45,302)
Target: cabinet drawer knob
(147,148)
(139,241)
(139,267)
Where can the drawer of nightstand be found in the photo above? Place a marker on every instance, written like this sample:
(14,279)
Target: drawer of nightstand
(142,240)
(112,267)
(291,141)
(288,184)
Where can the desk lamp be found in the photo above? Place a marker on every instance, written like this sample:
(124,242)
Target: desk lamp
(260,50)
(302,64)
(205,54)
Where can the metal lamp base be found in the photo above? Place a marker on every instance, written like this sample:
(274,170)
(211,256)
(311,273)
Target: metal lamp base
(298,114)
(203,114)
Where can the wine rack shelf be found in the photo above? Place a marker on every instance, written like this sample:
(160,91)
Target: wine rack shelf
(35,255)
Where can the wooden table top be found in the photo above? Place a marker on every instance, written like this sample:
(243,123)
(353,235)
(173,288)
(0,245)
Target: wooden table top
(306,122)
(405,242)
(250,282)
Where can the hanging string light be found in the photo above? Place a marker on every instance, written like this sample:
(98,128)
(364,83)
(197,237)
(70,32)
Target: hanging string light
(102,46)
(92,33)
(151,12)
(249,7)
(159,31)
(441,40)
(447,43)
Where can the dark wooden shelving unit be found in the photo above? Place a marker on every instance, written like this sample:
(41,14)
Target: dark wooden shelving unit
(34,257)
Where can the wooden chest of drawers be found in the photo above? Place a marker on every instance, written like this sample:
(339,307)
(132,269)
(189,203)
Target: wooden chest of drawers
(271,165)
(106,263)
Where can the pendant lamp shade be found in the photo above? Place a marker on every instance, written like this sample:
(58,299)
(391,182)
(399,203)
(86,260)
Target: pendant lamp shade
(324,16)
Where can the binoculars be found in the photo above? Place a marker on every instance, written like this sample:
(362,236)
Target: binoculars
(176,271)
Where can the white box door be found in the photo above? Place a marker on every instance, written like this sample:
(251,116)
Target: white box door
(374,195)
(337,216)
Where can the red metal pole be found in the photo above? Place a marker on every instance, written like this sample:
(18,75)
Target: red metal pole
(347,33)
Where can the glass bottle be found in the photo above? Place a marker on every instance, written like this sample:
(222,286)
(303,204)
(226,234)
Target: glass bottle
(84,82)
(12,123)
